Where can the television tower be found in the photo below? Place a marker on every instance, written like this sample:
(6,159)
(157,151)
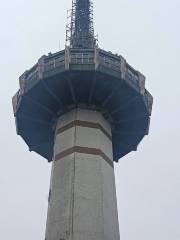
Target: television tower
(82,109)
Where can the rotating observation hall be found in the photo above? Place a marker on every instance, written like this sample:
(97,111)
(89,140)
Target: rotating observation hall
(82,77)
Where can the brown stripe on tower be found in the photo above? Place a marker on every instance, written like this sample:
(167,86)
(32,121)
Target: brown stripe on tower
(83,124)
(85,150)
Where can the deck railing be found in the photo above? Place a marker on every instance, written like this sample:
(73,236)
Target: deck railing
(109,62)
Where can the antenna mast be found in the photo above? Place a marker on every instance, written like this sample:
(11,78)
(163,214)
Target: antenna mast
(80,30)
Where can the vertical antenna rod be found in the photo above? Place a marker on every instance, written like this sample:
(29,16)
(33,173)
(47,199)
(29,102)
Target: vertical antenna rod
(81,27)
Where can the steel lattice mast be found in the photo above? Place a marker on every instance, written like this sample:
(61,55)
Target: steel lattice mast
(80,30)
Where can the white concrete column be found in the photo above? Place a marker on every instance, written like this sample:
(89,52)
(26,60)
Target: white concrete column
(82,201)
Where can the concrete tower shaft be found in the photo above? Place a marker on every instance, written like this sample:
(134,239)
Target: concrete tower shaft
(82,200)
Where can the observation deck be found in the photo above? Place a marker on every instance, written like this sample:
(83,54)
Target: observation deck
(82,78)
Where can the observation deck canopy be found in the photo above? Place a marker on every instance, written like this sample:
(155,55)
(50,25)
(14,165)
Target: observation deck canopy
(84,78)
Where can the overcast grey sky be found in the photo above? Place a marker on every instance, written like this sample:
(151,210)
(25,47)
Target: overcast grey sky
(147,34)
